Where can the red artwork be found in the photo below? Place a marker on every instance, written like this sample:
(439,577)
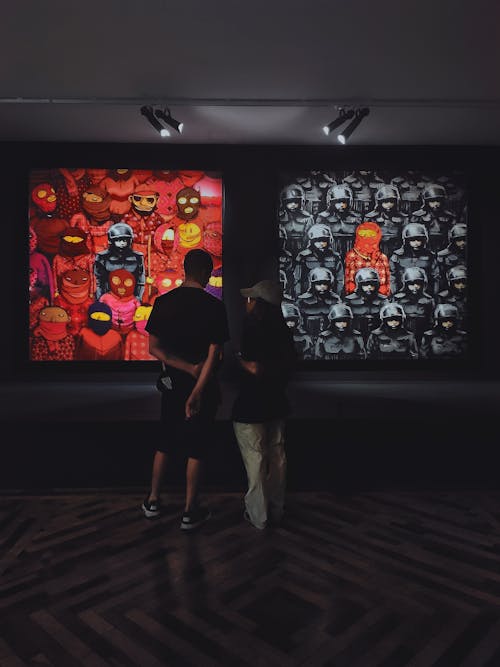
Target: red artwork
(80,311)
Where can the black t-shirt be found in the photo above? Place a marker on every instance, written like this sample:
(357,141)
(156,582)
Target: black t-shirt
(262,398)
(187,320)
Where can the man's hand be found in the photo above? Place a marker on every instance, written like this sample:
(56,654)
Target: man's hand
(196,369)
(193,404)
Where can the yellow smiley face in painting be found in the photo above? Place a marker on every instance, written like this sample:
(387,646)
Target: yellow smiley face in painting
(189,235)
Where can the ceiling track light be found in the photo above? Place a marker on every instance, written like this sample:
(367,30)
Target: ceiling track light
(148,112)
(167,118)
(341,118)
(359,114)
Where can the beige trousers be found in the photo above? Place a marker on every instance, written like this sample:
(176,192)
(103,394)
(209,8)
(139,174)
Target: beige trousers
(262,448)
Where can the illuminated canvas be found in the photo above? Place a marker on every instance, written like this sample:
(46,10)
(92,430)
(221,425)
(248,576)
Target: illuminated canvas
(104,244)
(374,266)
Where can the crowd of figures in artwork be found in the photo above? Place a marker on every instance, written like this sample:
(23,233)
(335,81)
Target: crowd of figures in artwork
(374,265)
(104,243)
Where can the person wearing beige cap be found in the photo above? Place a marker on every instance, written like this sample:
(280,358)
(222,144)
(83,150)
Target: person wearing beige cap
(266,359)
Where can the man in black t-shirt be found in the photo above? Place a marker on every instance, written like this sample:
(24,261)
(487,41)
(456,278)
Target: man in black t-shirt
(187,331)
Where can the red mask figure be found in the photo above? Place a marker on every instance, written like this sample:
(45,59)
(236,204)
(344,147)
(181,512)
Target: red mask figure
(96,203)
(74,297)
(366,253)
(212,239)
(73,243)
(48,226)
(121,299)
(44,197)
(367,239)
(73,254)
(51,340)
(75,286)
(122,283)
(120,184)
(53,323)
(188,203)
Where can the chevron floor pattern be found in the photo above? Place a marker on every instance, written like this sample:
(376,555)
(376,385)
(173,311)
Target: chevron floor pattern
(371,579)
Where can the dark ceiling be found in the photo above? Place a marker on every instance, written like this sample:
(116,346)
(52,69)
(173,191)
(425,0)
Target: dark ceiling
(262,72)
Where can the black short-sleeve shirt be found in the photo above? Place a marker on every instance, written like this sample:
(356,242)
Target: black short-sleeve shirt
(187,320)
(263,398)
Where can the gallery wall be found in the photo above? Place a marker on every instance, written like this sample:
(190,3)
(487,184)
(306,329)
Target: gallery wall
(251,176)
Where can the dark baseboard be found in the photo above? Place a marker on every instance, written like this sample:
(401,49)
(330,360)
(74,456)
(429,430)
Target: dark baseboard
(323,455)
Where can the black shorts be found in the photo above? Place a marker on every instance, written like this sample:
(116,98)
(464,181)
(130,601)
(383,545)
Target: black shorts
(191,437)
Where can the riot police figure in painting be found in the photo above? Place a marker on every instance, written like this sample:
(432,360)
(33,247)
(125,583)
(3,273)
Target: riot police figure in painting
(119,255)
(456,293)
(389,217)
(315,304)
(319,252)
(340,340)
(293,216)
(340,217)
(392,340)
(366,300)
(455,252)
(417,303)
(414,251)
(445,340)
(437,219)
(302,340)
(364,184)
(315,185)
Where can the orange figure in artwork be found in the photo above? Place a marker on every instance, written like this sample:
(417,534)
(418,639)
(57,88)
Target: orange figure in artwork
(366,253)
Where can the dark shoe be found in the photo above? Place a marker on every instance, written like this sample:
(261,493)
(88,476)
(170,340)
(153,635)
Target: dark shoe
(276,518)
(195,518)
(151,509)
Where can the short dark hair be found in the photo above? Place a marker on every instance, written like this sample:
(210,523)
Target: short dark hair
(198,263)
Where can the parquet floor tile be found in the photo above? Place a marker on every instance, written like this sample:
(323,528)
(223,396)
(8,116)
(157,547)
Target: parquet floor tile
(362,579)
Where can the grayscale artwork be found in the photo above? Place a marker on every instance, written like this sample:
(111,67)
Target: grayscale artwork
(374,265)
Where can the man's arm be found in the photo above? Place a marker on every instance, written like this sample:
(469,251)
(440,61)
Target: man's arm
(207,369)
(171,360)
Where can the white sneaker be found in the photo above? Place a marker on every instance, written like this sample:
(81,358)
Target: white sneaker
(151,509)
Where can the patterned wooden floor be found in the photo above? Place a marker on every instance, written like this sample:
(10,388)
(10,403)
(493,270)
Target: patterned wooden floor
(372,579)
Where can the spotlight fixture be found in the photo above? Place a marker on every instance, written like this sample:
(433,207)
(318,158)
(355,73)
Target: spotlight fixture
(167,118)
(341,118)
(149,113)
(358,117)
